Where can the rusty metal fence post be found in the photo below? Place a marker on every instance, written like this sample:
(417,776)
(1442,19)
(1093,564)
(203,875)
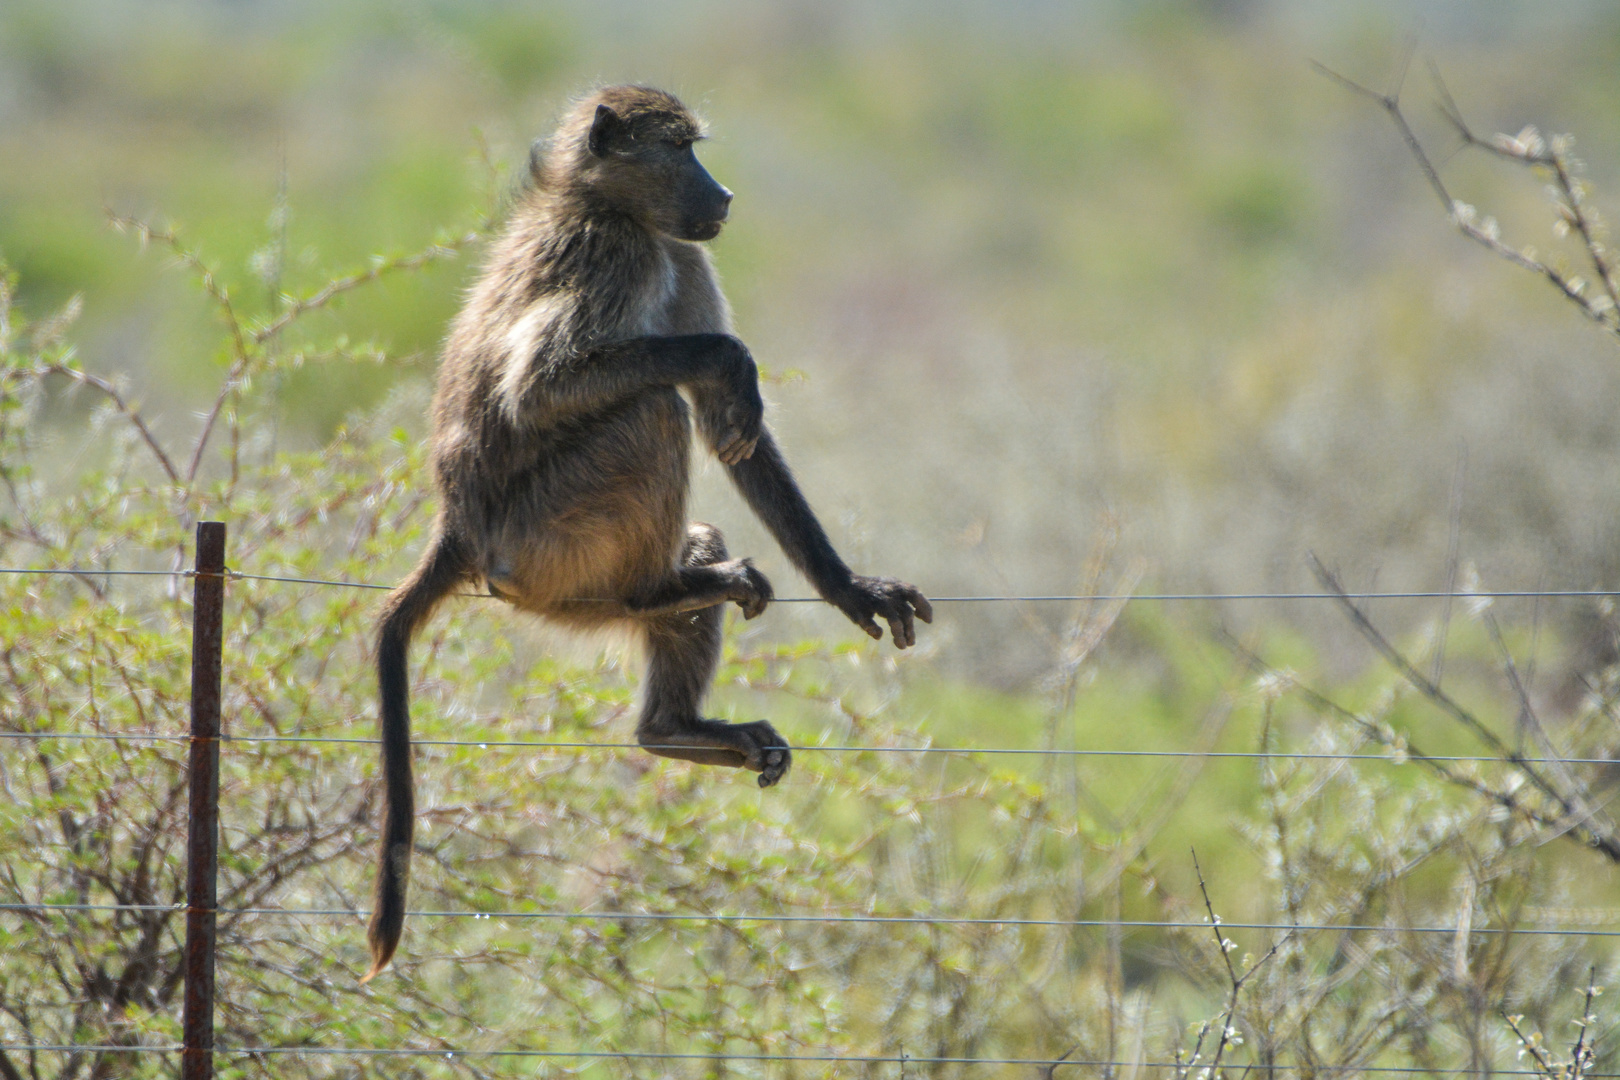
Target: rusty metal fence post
(202,838)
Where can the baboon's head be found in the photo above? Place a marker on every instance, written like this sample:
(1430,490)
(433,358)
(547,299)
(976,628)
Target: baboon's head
(632,146)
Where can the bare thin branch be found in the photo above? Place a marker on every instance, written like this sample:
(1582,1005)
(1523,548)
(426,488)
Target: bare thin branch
(1589,831)
(1603,310)
(133,414)
(302,305)
(1391,104)
(148,234)
(1411,674)
(1530,149)
(1581,1054)
(1401,744)
(1225,947)
(1530,1047)
(1049,1072)
(1577,792)
(1437,669)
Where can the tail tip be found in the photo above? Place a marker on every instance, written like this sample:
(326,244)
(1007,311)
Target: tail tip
(381,954)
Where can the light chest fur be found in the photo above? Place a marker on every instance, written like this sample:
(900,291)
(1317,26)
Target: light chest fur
(677,293)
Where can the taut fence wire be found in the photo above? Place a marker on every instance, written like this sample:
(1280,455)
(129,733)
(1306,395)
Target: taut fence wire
(526,744)
(896,920)
(198,1049)
(856,1059)
(1038,598)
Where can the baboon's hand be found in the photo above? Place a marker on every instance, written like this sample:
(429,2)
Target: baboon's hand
(894,600)
(754,591)
(741,412)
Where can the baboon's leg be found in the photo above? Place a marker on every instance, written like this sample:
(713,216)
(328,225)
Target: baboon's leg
(684,648)
(693,586)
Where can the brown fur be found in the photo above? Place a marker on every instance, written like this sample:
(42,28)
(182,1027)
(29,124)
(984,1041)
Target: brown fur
(561,443)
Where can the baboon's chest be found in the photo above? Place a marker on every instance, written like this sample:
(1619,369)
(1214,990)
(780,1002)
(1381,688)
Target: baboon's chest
(647,308)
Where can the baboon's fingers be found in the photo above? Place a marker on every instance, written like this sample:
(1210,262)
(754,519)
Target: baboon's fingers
(900,629)
(735,447)
(738,449)
(866,623)
(925,610)
(758,593)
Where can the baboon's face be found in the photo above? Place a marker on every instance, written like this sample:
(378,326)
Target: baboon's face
(698,204)
(660,176)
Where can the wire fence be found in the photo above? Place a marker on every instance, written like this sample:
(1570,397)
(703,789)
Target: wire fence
(834,920)
(1036,598)
(199,1049)
(1391,758)
(854,1059)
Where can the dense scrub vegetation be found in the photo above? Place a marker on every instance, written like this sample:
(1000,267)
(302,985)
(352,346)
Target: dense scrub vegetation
(585,897)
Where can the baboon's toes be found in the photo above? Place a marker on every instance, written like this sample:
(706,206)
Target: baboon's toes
(770,776)
(776,766)
(769,756)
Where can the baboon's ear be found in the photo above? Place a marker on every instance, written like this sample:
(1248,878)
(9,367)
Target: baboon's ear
(607,122)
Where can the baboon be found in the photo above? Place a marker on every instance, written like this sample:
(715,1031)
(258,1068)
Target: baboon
(562,428)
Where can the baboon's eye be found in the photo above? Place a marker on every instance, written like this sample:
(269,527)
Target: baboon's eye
(683,144)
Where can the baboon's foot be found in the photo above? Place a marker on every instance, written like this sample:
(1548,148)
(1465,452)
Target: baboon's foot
(767,752)
(751,590)
(755,746)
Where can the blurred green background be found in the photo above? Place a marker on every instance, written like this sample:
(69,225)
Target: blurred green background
(1054,297)
(1051,272)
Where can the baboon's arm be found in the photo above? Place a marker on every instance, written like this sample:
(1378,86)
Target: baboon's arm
(768,486)
(716,365)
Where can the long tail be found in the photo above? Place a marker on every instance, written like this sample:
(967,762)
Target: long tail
(442,568)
